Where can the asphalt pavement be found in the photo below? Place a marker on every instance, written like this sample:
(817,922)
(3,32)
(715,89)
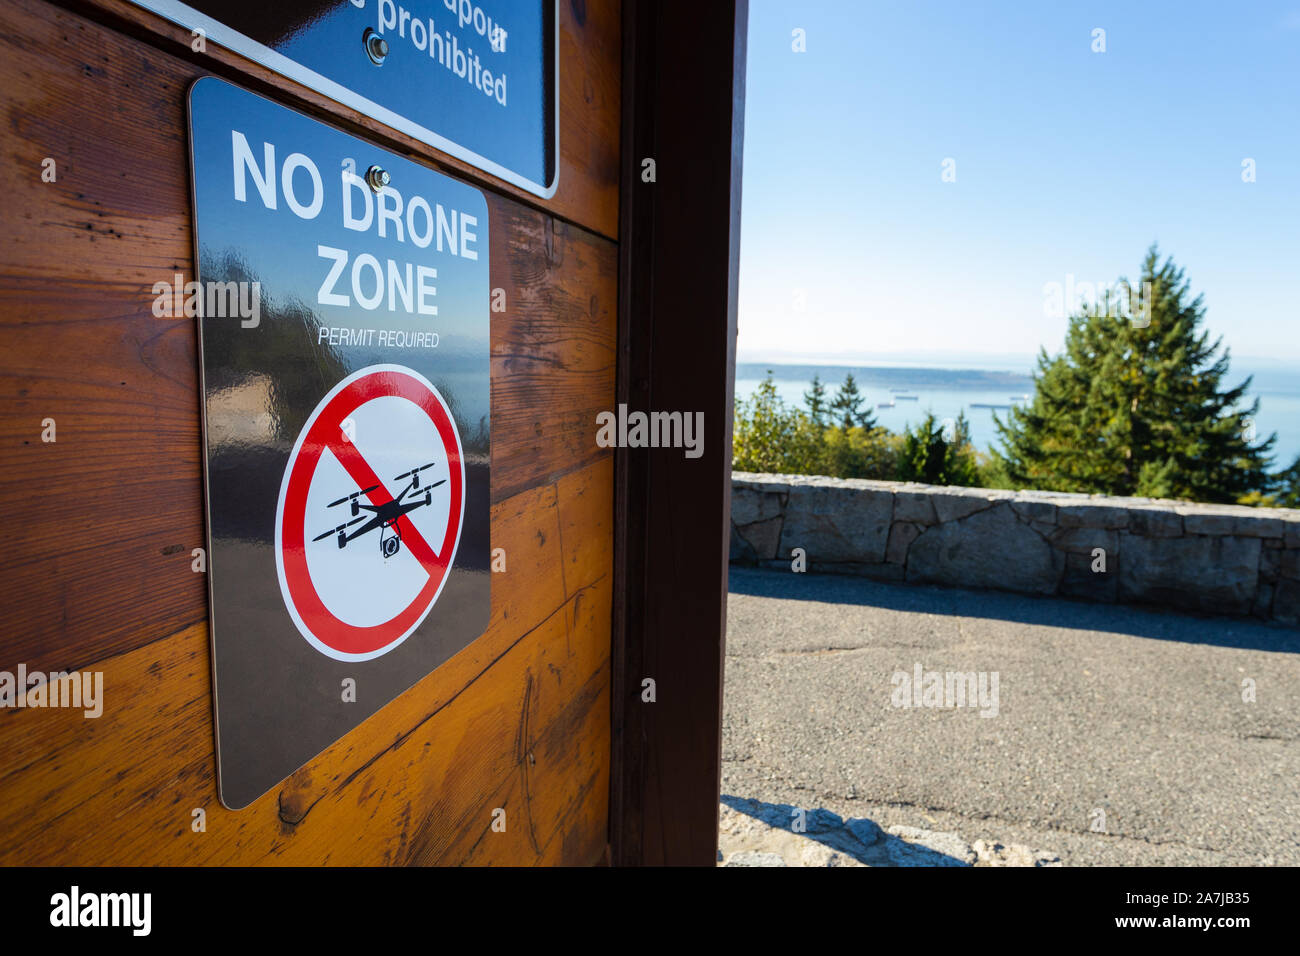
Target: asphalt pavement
(1118,735)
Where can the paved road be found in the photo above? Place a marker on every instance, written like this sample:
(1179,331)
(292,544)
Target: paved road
(1137,714)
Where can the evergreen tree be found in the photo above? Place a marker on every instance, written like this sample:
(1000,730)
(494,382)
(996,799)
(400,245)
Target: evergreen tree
(1138,407)
(815,398)
(1284,490)
(933,457)
(848,406)
(1287,494)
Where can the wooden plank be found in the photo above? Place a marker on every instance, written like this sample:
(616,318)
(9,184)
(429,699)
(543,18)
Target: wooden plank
(587,193)
(553,350)
(101,523)
(678,281)
(518,720)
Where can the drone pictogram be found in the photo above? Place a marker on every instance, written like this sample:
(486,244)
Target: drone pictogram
(383,516)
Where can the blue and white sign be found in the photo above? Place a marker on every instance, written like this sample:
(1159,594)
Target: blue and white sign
(478,79)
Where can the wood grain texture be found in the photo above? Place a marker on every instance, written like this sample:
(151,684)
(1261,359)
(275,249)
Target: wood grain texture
(673,513)
(518,720)
(590,71)
(81,345)
(100,524)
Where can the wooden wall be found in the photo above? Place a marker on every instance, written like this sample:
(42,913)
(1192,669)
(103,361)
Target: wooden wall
(98,527)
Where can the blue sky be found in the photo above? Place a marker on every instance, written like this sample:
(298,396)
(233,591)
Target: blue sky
(1067,161)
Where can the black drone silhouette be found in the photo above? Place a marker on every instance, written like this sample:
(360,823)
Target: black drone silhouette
(382,516)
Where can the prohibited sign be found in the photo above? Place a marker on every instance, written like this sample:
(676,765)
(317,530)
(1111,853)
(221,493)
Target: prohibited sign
(370,512)
(347,427)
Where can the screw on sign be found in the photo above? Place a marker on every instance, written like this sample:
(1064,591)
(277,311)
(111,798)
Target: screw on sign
(395,477)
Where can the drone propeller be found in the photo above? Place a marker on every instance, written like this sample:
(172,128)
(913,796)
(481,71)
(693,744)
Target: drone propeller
(351,497)
(322,537)
(414,473)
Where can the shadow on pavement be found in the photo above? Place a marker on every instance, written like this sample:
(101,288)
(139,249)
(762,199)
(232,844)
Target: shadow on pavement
(1158,624)
(859,838)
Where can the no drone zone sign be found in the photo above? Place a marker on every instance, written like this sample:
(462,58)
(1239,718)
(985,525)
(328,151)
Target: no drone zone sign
(343,300)
(357,604)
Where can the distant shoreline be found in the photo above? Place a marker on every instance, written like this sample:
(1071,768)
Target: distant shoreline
(889,376)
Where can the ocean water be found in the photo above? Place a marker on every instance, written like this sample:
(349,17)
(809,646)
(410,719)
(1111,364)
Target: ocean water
(948,392)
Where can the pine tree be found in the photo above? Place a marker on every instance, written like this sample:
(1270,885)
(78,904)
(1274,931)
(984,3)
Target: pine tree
(1284,490)
(937,455)
(1287,494)
(848,406)
(815,398)
(1138,407)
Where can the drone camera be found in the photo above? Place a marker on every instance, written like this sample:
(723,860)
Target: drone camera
(390,544)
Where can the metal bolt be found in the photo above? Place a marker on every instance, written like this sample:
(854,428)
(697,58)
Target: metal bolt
(377,178)
(376,46)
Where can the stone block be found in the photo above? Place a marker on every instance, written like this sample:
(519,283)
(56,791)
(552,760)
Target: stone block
(1264,601)
(953,504)
(901,536)
(757,501)
(741,551)
(1270,560)
(915,506)
(1035,510)
(867,831)
(1258,526)
(1286,602)
(835,523)
(1288,563)
(1214,574)
(1155,523)
(988,549)
(1207,522)
(1091,516)
(1080,580)
(763,537)
(1084,540)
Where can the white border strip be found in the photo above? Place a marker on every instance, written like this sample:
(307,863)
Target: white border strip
(189,18)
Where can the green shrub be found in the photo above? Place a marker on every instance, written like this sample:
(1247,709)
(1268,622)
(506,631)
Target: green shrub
(930,456)
(860,453)
(768,435)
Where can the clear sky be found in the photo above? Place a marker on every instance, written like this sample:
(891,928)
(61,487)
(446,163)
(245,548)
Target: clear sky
(1067,162)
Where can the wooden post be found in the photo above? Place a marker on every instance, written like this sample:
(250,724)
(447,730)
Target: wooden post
(683,108)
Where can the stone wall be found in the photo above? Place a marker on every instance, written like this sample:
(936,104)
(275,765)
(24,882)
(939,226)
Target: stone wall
(1219,559)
